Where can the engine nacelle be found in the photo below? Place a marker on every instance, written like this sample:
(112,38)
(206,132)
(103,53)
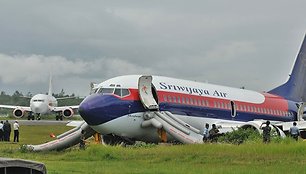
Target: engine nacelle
(257,124)
(18,112)
(68,112)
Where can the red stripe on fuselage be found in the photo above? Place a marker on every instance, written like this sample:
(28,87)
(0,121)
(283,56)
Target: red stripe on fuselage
(272,105)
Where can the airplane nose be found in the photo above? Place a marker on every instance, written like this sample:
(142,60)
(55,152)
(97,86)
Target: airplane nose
(36,108)
(93,109)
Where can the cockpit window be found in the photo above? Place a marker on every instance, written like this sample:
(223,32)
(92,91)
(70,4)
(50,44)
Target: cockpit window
(125,92)
(96,90)
(117,91)
(106,90)
(38,100)
(122,92)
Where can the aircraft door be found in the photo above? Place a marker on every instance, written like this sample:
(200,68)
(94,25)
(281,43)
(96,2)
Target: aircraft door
(300,112)
(147,93)
(233,109)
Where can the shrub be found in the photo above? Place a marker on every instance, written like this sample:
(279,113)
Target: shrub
(239,136)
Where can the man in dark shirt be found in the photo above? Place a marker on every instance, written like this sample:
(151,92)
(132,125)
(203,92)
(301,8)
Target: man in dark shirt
(294,131)
(266,130)
(7,130)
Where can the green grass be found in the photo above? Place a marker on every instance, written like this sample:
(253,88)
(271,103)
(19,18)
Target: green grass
(286,156)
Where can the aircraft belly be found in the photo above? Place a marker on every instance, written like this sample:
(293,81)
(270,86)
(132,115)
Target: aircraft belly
(128,126)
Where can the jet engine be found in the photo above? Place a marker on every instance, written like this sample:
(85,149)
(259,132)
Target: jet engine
(18,112)
(256,125)
(68,112)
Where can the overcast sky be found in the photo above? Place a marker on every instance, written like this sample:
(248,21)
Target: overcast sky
(234,43)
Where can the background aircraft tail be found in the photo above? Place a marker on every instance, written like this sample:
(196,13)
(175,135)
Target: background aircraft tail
(295,88)
(50,85)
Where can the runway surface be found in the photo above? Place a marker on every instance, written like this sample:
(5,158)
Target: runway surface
(40,122)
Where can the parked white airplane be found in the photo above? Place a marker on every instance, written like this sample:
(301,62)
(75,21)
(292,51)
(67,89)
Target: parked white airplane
(155,108)
(41,104)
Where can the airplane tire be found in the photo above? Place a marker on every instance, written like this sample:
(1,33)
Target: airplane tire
(56,117)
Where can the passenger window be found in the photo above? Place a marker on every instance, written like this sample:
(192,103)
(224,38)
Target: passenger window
(174,99)
(165,98)
(203,103)
(169,98)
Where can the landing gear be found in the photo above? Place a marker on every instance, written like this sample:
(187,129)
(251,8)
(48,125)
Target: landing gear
(30,116)
(59,116)
(38,116)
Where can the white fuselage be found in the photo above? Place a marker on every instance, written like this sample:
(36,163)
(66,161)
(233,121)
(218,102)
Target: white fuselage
(116,107)
(42,103)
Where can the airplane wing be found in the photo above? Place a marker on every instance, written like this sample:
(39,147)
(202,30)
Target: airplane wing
(63,98)
(61,108)
(66,111)
(18,111)
(25,108)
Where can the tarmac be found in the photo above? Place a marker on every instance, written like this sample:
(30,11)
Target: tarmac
(40,122)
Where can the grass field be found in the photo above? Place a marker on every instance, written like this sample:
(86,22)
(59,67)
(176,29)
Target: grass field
(252,157)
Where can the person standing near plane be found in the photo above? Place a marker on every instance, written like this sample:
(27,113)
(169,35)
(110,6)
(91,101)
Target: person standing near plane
(16,131)
(213,133)
(294,131)
(266,132)
(7,130)
(82,140)
(206,133)
(1,131)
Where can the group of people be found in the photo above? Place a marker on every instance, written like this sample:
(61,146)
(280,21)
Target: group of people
(5,131)
(266,132)
(210,135)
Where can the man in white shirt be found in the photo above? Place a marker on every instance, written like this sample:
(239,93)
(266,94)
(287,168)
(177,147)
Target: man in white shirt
(16,131)
(294,131)
(206,133)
